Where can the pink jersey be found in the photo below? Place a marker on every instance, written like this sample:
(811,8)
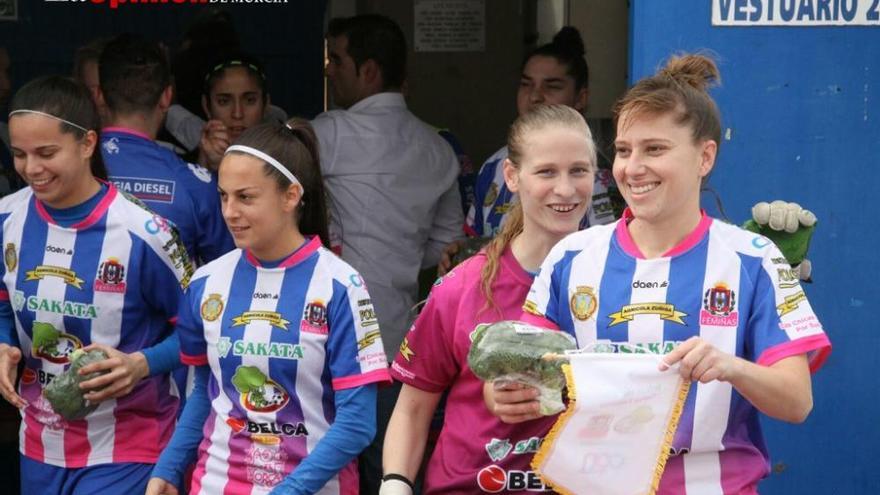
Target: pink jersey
(475,452)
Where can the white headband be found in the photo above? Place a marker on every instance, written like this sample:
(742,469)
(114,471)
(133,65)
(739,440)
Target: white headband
(268,159)
(50,116)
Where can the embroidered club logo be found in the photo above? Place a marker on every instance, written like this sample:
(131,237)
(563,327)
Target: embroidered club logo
(583,303)
(10,257)
(111,276)
(258,392)
(314,319)
(52,344)
(719,306)
(212,307)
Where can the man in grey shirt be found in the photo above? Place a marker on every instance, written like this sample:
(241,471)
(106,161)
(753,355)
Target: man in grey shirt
(392,181)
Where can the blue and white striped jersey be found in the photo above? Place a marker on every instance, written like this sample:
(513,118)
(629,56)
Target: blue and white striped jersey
(279,342)
(731,287)
(110,279)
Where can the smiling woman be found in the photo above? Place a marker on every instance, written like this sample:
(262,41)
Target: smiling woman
(293,345)
(78,254)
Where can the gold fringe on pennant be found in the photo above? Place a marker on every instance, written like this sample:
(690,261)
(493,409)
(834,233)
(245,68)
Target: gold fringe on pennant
(547,445)
(671,426)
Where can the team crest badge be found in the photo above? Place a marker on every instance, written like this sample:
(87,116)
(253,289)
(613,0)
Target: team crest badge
(314,318)
(491,195)
(212,307)
(10,257)
(583,303)
(111,276)
(719,306)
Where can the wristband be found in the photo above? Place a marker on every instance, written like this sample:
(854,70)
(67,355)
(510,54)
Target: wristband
(395,484)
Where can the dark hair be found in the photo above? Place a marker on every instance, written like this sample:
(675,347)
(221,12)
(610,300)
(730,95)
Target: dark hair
(133,73)
(679,87)
(210,34)
(66,99)
(90,52)
(253,66)
(567,48)
(374,37)
(295,146)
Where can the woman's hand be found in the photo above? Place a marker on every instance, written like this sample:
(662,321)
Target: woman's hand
(445,263)
(9,358)
(215,140)
(126,371)
(702,362)
(158,486)
(512,402)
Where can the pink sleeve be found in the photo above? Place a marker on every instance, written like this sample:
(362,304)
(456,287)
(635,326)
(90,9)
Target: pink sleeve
(426,359)
(816,347)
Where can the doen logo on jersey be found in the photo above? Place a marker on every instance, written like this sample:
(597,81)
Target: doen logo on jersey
(258,392)
(314,319)
(583,303)
(111,276)
(212,307)
(665,311)
(719,307)
(67,275)
(10,257)
(274,318)
(53,345)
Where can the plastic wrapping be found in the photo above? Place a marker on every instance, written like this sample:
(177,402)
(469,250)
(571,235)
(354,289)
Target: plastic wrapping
(514,351)
(63,392)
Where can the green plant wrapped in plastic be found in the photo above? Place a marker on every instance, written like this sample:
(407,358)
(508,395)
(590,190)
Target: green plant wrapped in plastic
(63,391)
(514,351)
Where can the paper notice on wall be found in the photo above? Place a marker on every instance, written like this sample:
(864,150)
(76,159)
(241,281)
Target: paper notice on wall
(450,25)
(615,436)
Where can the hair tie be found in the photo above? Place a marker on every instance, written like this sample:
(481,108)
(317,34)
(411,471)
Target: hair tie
(24,110)
(268,159)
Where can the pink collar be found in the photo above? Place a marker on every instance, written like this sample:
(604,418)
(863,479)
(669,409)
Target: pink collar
(295,258)
(629,246)
(126,130)
(88,221)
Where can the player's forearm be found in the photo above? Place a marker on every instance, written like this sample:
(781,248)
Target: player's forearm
(782,390)
(407,432)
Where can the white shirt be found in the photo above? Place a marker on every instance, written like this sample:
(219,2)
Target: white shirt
(394,200)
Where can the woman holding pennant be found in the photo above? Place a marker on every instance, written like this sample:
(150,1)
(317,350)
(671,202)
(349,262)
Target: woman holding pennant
(668,279)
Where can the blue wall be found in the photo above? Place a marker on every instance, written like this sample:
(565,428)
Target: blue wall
(803,108)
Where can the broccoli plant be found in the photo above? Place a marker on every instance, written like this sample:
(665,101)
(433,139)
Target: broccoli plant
(249,380)
(45,339)
(510,350)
